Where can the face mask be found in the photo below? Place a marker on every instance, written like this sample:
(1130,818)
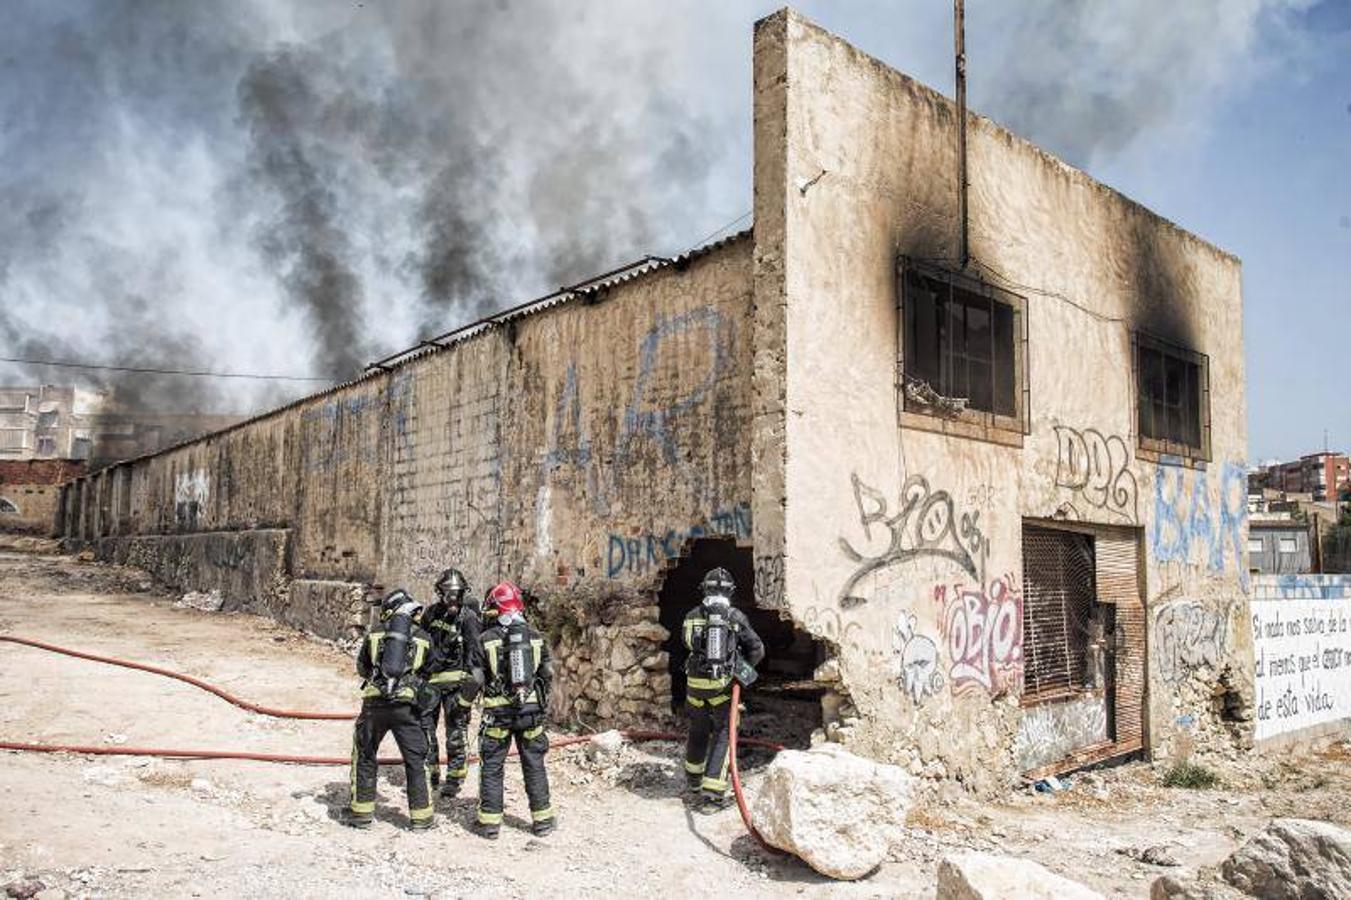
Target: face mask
(717,600)
(506,619)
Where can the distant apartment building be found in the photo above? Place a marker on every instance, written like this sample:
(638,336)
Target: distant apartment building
(63,422)
(39,422)
(1323,476)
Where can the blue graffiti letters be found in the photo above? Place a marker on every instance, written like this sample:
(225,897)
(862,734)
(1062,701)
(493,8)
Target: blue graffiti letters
(1190,526)
(641,553)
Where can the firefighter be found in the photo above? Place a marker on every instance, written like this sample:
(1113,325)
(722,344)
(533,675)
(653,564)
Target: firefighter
(722,646)
(453,623)
(511,667)
(392,662)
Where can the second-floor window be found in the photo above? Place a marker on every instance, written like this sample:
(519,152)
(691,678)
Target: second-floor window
(961,347)
(1173,392)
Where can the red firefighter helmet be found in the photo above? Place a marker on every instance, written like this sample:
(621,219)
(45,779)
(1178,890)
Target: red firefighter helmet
(506,598)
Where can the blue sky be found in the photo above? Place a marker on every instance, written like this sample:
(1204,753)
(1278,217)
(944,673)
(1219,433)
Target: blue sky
(304,186)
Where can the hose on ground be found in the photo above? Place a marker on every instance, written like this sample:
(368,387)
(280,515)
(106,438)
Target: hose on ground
(732,742)
(179,676)
(172,753)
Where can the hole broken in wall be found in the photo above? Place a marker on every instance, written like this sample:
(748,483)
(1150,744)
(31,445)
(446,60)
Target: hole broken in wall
(784,704)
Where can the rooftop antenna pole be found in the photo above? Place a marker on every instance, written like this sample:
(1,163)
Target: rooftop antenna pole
(959,41)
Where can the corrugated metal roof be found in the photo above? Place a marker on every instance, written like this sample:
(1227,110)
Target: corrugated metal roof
(589,288)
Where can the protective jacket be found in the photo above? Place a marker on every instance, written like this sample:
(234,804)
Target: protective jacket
(390,706)
(712,657)
(420,660)
(513,668)
(717,637)
(454,637)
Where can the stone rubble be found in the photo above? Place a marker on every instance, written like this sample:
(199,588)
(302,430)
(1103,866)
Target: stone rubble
(206,601)
(838,812)
(1293,859)
(987,876)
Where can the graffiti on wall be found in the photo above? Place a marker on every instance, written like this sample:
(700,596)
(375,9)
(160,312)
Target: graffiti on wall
(191,491)
(982,631)
(349,429)
(1052,731)
(649,417)
(1302,645)
(1188,636)
(827,622)
(925,526)
(641,553)
(769,581)
(1097,469)
(1302,587)
(917,668)
(1194,529)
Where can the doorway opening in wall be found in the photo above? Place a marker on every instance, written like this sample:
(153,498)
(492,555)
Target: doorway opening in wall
(1083,647)
(784,704)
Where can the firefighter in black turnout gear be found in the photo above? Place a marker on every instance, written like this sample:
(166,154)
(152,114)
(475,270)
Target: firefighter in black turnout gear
(722,646)
(453,623)
(393,660)
(513,669)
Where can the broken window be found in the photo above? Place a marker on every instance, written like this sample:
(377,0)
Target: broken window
(1173,387)
(1060,628)
(7,506)
(961,346)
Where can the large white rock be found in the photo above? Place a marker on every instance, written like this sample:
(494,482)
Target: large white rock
(839,812)
(1293,858)
(985,876)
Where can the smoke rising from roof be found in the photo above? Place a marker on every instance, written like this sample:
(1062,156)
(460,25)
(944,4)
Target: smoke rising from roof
(1086,80)
(304,186)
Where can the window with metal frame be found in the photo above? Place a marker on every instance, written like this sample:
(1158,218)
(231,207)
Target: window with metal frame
(962,346)
(1172,386)
(1058,596)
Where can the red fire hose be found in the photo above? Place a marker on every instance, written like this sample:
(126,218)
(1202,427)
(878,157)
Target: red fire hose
(167,753)
(168,673)
(736,770)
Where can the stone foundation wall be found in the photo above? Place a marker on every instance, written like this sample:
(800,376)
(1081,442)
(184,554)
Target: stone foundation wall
(612,668)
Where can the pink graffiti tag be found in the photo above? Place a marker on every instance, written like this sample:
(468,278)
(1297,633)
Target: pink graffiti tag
(983,633)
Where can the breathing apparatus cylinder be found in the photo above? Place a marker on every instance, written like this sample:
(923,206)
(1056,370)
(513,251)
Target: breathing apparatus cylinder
(520,664)
(719,645)
(396,654)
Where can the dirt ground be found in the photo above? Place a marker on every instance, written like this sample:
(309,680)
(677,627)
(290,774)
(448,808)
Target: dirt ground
(122,827)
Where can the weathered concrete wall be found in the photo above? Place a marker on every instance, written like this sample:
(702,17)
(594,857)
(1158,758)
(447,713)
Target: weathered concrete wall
(248,568)
(861,161)
(574,449)
(1302,629)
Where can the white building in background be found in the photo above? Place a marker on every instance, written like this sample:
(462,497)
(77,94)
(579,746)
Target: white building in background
(45,422)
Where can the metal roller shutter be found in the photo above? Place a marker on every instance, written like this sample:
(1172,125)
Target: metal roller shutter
(1058,595)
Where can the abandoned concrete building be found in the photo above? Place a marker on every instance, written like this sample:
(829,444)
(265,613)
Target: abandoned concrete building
(990,517)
